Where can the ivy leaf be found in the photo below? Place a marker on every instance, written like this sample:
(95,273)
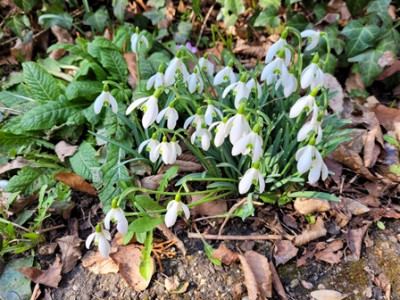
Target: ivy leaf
(42,85)
(97,20)
(114,62)
(18,24)
(368,65)
(234,6)
(356,6)
(26,5)
(119,9)
(84,160)
(359,36)
(183,32)
(378,6)
(268,3)
(23,179)
(268,17)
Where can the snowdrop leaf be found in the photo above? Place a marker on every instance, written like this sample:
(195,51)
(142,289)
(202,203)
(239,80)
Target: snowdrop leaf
(360,35)
(84,160)
(314,195)
(41,84)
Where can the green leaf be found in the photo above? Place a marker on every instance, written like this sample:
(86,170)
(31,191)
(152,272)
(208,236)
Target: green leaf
(368,65)
(18,24)
(145,224)
(268,17)
(97,20)
(84,160)
(183,32)
(166,177)
(391,140)
(13,284)
(209,251)
(356,6)
(234,6)
(298,21)
(378,6)
(49,114)
(61,19)
(42,85)
(26,5)
(147,203)
(359,37)
(119,9)
(155,15)
(114,62)
(268,3)
(146,267)
(85,90)
(75,49)
(23,179)
(315,195)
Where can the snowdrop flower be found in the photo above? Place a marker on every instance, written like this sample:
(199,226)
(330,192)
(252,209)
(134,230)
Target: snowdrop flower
(203,135)
(150,107)
(176,67)
(252,176)
(170,114)
(195,120)
(254,86)
(116,214)
(195,82)
(288,81)
(173,209)
(237,126)
(240,90)
(226,74)
(211,112)
(206,66)
(158,79)
(169,151)
(251,142)
(151,147)
(313,37)
(176,149)
(279,45)
(304,102)
(313,125)
(309,158)
(273,70)
(221,131)
(105,98)
(101,238)
(138,38)
(3,183)
(312,75)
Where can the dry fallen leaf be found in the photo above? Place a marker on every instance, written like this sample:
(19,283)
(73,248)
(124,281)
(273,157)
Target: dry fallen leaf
(151,182)
(76,182)
(174,286)
(307,206)
(50,277)
(98,264)
(284,251)
(336,103)
(70,246)
(210,208)
(225,255)
(63,36)
(355,207)
(384,284)
(277,282)
(128,261)
(130,59)
(17,163)
(313,232)
(354,82)
(172,237)
(354,240)
(22,50)
(63,150)
(250,279)
(260,267)
(327,295)
(328,255)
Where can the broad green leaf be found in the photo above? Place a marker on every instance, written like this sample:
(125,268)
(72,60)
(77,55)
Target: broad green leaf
(298,21)
(155,15)
(42,85)
(368,65)
(378,6)
(157,58)
(268,17)
(356,6)
(391,140)
(359,37)
(236,7)
(395,169)
(315,195)
(85,89)
(13,284)
(18,24)
(26,5)
(183,32)
(166,178)
(23,179)
(97,20)
(268,3)
(145,224)
(84,160)
(147,203)
(75,49)
(114,62)
(9,139)
(119,9)
(49,114)
(209,251)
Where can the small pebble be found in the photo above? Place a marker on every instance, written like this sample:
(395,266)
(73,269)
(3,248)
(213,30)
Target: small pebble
(321,286)
(294,283)
(307,285)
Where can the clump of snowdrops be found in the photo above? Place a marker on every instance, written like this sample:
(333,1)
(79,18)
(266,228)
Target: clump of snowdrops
(256,132)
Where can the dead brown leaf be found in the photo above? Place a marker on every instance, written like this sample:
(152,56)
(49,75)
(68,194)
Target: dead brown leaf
(63,150)
(47,249)
(389,118)
(392,69)
(307,206)
(277,282)
(260,267)
(130,60)
(250,279)
(63,36)
(225,255)
(354,240)
(128,261)
(384,284)
(387,59)
(21,49)
(355,207)
(70,246)
(354,82)
(334,167)
(76,182)
(17,163)
(169,15)
(328,255)
(50,277)
(307,257)
(210,208)
(98,264)
(313,232)
(327,295)
(151,182)
(336,103)
(174,286)
(339,6)
(245,48)
(284,251)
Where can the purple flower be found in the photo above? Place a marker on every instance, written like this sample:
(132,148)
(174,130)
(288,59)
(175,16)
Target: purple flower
(189,46)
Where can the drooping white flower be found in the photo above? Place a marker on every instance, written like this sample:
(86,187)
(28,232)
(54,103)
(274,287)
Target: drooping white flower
(251,142)
(288,81)
(309,158)
(237,126)
(195,120)
(273,70)
(240,90)
(203,135)
(225,75)
(151,147)
(176,149)
(211,112)
(313,37)
(305,101)
(101,238)
(221,131)
(252,176)
(195,82)
(206,66)
(279,45)
(170,114)
(136,39)
(254,86)
(313,125)
(105,98)
(312,75)
(174,207)
(169,151)
(150,107)
(116,214)
(156,81)
(175,67)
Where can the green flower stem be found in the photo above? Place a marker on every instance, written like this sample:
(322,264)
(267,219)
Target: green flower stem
(325,97)
(328,50)
(211,179)
(299,57)
(14,224)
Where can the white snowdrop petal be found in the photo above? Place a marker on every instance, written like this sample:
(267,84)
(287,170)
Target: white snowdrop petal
(246,181)
(305,161)
(136,104)
(161,115)
(261,183)
(172,214)
(98,103)
(108,218)
(104,246)
(89,240)
(185,210)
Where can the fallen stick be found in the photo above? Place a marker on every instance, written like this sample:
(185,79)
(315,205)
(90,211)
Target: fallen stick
(193,235)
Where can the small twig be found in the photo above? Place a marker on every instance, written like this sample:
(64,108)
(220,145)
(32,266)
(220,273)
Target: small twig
(36,292)
(193,235)
(230,212)
(204,24)
(51,228)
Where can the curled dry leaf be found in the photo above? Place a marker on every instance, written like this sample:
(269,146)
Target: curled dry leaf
(174,286)
(76,182)
(284,251)
(50,277)
(98,264)
(63,150)
(250,279)
(354,240)
(172,237)
(277,282)
(313,232)
(70,246)
(128,261)
(307,206)
(17,163)
(327,295)
(260,268)
(151,182)
(225,255)
(210,208)
(355,207)
(130,60)
(331,254)
(336,103)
